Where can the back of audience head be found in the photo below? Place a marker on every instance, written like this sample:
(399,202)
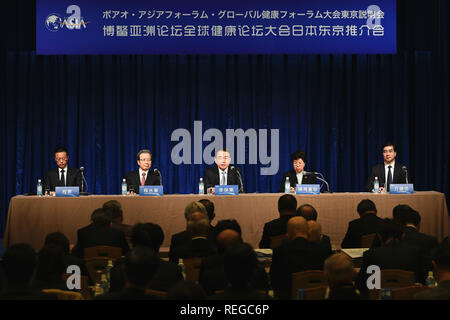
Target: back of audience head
(148,235)
(198,225)
(19,263)
(287,204)
(140,266)
(50,266)
(100,218)
(58,239)
(113,208)
(400,212)
(297,227)
(390,230)
(338,269)
(186,290)
(314,231)
(412,218)
(209,205)
(239,263)
(227,233)
(307,211)
(366,206)
(193,207)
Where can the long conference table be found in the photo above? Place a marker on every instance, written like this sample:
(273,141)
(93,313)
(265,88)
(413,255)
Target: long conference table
(31,218)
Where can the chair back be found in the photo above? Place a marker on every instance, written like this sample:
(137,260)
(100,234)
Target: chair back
(84,285)
(275,241)
(407,293)
(317,293)
(161,294)
(305,280)
(396,278)
(367,240)
(64,294)
(192,268)
(96,267)
(110,252)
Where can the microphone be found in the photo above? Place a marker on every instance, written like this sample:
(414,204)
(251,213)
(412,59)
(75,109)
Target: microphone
(406,173)
(160,177)
(241,187)
(83,181)
(320,177)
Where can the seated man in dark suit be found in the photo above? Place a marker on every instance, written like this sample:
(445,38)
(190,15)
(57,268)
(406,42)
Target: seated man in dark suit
(62,176)
(114,209)
(414,237)
(295,255)
(298,175)
(209,206)
(212,276)
(240,263)
(152,236)
(143,176)
(99,233)
(50,269)
(393,254)
(183,237)
(315,235)
(287,205)
(367,223)
(441,266)
(222,173)
(339,272)
(19,263)
(308,212)
(388,172)
(139,269)
(199,246)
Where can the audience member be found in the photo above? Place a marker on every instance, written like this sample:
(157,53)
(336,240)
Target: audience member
(367,223)
(19,263)
(50,269)
(339,272)
(240,263)
(315,235)
(413,236)
(307,211)
(287,205)
(212,276)
(295,255)
(151,236)
(99,233)
(209,206)
(400,212)
(186,290)
(113,208)
(139,269)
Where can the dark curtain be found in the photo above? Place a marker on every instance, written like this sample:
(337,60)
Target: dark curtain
(340,109)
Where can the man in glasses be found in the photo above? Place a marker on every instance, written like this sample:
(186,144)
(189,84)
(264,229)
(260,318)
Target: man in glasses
(222,173)
(298,175)
(144,176)
(62,175)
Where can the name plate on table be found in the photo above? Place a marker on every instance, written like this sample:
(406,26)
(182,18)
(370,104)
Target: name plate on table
(307,189)
(229,190)
(67,191)
(402,188)
(150,190)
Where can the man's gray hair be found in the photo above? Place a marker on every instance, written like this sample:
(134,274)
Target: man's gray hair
(141,152)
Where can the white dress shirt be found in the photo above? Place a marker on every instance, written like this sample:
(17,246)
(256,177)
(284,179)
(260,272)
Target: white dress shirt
(140,175)
(65,174)
(300,177)
(386,170)
(220,176)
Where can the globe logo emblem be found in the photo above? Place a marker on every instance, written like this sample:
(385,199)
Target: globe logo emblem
(53,22)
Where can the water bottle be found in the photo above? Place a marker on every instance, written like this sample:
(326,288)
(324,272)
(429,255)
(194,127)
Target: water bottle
(376,185)
(201,187)
(108,273)
(430,281)
(104,283)
(39,188)
(287,186)
(124,187)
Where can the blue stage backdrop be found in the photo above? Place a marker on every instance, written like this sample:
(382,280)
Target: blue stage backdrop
(338,108)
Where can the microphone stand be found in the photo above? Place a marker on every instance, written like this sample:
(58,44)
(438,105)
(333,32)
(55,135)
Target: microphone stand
(321,178)
(83,181)
(241,187)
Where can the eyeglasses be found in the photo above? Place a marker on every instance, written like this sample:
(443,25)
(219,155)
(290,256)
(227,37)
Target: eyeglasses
(145,160)
(60,159)
(226,158)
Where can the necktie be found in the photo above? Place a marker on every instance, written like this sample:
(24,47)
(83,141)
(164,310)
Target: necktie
(143,179)
(63,180)
(389,179)
(222,180)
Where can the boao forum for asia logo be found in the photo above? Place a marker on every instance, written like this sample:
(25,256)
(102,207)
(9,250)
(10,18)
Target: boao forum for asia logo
(74,21)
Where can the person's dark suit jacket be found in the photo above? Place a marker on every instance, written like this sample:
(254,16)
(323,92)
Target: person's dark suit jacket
(126,228)
(294,256)
(367,224)
(211,178)
(167,274)
(26,293)
(399,175)
(344,292)
(181,239)
(273,228)
(441,292)
(99,235)
(134,180)
(247,293)
(394,255)
(325,242)
(127,294)
(197,247)
(51,179)
(212,275)
(307,179)
(413,237)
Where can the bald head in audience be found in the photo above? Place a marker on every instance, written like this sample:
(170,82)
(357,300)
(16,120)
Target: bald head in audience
(338,269)
(314,232)
(297,227)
